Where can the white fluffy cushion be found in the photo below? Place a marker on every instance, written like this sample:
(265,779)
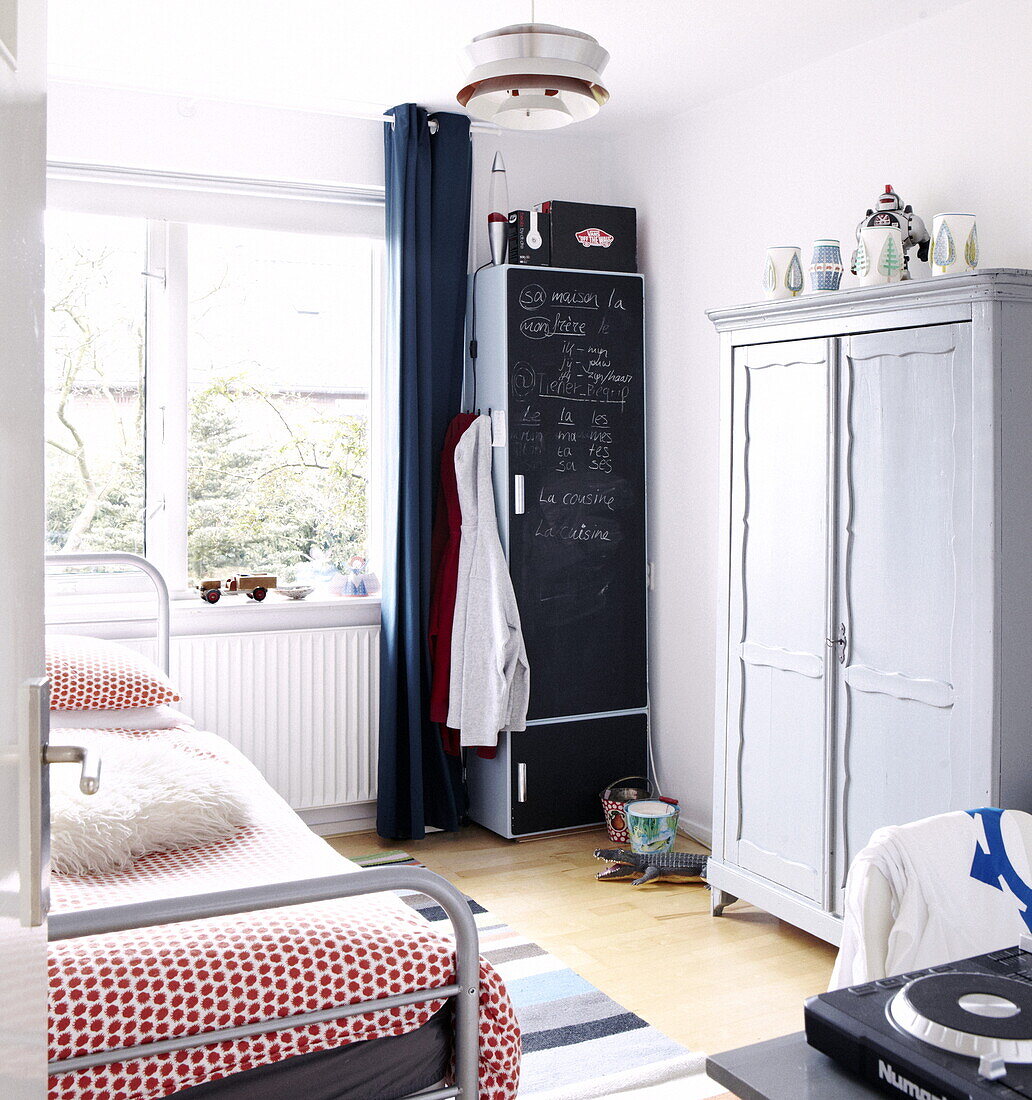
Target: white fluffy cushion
(153,797)
(131,718)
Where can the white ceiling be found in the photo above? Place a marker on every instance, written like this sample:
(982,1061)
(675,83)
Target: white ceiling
(351,56)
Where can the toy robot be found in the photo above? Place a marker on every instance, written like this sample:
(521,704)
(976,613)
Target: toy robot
(891,212)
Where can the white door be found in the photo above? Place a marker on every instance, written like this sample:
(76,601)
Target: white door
(906,566)
(775,808)
(23,1010)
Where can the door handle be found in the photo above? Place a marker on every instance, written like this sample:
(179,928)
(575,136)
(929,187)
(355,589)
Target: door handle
(839,643)
(521,782)
(519,504)
(89,776)
(36,754)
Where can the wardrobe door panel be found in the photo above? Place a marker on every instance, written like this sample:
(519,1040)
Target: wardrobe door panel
(905,567)
(775,804)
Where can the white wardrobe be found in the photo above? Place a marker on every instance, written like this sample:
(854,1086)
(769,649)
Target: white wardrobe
(875,659)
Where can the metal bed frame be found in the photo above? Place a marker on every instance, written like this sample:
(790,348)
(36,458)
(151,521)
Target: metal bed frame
(133,561)
(465,989)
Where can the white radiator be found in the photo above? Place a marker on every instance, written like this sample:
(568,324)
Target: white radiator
(302,705)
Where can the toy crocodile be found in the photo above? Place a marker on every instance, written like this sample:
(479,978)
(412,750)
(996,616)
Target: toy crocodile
(677,865)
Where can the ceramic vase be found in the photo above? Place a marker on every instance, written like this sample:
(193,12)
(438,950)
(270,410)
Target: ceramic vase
(954,244)
(783,272)
(826,265)
(879,255)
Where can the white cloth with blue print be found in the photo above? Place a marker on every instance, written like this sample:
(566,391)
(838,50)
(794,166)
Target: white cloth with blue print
(935,891)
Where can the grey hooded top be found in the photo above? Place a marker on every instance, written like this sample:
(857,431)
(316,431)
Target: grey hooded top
(490,676)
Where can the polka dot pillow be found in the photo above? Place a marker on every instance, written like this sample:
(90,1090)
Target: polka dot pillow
(94,674)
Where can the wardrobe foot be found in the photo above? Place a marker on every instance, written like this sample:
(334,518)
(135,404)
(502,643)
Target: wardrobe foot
(719,899)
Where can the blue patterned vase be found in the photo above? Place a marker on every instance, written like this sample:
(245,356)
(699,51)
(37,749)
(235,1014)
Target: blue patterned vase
(826,266)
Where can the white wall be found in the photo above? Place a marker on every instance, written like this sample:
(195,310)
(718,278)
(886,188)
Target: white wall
(97,125)
(150,130)
(941,110)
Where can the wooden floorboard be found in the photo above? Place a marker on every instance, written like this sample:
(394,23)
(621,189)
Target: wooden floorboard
(712,984)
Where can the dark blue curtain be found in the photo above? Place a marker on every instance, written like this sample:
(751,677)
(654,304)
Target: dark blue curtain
(428,182)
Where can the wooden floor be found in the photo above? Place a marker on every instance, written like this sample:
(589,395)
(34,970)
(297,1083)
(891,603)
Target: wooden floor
(712,984)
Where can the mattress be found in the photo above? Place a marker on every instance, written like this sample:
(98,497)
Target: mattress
(149,984)
(380,1069)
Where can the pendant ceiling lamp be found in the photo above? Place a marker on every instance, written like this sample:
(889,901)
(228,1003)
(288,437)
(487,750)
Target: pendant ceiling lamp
(533,76)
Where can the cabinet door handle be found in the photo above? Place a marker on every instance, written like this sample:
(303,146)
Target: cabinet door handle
(839,643)
(521,782)
(518,502)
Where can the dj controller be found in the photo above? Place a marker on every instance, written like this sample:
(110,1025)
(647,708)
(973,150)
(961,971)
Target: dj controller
(960,1031)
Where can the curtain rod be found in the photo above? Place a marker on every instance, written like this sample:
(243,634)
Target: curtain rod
(474,127)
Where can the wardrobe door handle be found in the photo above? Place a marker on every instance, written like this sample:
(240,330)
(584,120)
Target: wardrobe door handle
(521,782)
(839,643)
(518,501)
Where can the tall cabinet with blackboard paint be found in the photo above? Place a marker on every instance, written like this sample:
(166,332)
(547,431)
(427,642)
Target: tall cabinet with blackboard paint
(561,366)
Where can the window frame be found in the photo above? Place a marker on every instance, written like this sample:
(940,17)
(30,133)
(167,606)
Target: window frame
(279,206)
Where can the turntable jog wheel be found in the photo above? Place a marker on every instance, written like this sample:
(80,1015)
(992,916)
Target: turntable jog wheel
(978,1015)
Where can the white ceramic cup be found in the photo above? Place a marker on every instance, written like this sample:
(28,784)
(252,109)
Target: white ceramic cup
(954,244)
(879,255)
(783,272)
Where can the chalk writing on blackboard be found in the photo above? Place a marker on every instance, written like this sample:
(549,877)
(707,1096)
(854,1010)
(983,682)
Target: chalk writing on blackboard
(524,380)
(576,435)
(558,324)
(532,296)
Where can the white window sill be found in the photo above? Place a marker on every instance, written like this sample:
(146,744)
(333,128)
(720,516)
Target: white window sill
(133,617)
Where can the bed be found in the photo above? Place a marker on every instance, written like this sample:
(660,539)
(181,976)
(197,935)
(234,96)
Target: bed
(264,965)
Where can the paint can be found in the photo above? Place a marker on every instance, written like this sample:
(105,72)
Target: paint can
(652,824)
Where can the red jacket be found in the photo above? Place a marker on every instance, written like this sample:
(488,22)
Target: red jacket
(444,568)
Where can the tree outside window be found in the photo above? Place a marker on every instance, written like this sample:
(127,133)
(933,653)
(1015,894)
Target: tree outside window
(281,343)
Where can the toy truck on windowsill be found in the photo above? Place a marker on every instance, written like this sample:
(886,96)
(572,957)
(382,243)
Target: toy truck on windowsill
(255,586)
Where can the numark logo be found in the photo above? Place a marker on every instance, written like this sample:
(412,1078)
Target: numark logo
(902,1084)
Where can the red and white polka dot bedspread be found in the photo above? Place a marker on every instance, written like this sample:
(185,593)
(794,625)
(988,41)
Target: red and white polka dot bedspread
(134,987)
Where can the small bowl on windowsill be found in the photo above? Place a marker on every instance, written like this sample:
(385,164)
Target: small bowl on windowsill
(295,592)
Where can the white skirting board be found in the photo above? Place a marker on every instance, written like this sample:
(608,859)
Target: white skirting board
(695,830)
(335,820)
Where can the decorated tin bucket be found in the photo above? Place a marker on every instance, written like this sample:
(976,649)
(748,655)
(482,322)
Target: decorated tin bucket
(615,797)
(652,824)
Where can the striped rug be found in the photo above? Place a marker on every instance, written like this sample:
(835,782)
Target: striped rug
(577,1042)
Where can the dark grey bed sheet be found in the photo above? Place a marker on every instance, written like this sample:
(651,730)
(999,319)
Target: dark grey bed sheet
(379,1069)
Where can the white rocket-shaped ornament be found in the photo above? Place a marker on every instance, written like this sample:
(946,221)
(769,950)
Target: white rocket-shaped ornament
(498,212)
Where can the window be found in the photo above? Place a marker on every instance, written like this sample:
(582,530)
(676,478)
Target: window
(209,393)
(94,339)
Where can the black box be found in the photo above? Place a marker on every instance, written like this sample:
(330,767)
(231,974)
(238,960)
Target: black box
(528,238)
(600,238)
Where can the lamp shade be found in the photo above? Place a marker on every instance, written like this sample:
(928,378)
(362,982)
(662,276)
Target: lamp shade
(534,77)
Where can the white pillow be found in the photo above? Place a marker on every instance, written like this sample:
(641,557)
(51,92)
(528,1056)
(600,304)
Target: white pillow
(153,797)
(133,718)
